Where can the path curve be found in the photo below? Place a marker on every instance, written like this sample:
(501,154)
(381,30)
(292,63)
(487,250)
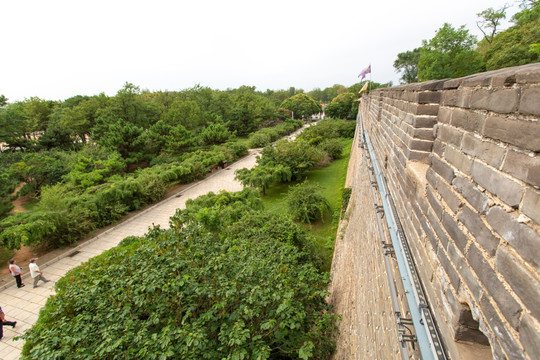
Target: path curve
(23,305)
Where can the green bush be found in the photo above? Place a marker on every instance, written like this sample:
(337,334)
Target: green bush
(298,156)
(332,147)
(306,203)
(190,293)
(345,196)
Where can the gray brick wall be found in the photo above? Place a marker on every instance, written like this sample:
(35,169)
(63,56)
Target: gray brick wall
(472,217)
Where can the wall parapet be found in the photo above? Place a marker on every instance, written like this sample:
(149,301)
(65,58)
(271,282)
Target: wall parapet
(461,159)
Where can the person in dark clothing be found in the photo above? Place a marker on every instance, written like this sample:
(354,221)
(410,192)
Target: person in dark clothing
(4,323)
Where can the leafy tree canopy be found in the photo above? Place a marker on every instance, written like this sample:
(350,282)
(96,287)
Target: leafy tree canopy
(517,45)
(343,106)
(302,106)
(191,293)
(407,64)
(449,54)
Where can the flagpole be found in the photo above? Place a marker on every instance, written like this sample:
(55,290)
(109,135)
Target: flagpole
(369,86)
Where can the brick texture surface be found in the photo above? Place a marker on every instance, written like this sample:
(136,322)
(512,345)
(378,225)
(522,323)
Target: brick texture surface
(472,215)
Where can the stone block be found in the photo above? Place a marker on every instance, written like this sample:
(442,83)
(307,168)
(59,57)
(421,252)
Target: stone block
(468,120)
(421,145)
(438,147)
(485,150)
(479,231)
(453,83)
(428,230)
(520,280)
(523,166)
(530,103)
(433,201)
(449,135)
(531,204)
(498,100)
(503,79)
(521,133)
(442,168)
(429,97)
(448,268)
(528,74)
(521,237)
(423,134)
(425,109)
(417,155)
(449,98)
(432,85)
(447,193)
(478,200)
(458,159)
(445,115)
(423,121)
(465,271)
(454,305)
(497,183)
(456,234)
(500,331)
(477,80)
(435,223)
(529,336)
(464,98)
(509,307)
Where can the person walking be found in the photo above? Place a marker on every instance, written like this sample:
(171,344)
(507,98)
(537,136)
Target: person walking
(4,323)
(36,273)
(16,272)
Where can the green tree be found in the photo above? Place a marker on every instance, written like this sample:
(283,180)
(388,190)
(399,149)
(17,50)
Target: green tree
(38,112)
(261,177)
(449,54)
(407,63)
(186,113)
(249,111)
(114,133)
(299,156)
(302,106)
(14,129)
(490,20)
(132,107)
(215,133)
(516,45)
(306,203)
(79,115)
(56,136)
(343,106)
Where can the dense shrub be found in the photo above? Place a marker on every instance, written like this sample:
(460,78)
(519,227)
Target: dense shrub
(332,147)
(329,129)
(191,293)
(94,190)
(306,203)
(259,139)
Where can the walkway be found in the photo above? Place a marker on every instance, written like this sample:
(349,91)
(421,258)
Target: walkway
(23,305)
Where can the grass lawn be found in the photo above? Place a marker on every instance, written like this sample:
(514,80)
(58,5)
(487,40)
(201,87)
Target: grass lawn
(332,179)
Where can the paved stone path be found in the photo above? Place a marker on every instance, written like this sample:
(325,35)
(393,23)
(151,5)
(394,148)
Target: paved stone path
(23,305)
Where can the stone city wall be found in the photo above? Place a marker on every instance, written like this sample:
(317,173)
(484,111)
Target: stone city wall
(461,160)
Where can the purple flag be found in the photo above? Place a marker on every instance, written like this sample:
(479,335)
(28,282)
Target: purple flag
(365,72)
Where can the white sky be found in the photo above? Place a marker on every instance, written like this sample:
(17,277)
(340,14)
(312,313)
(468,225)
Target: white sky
(57,49)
